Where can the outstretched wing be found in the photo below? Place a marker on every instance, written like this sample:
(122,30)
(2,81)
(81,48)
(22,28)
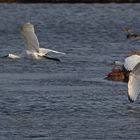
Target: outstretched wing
(134,83)
(45,51)
(30,38)
(131,62)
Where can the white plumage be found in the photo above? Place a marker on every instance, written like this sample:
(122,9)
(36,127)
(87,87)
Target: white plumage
(30,38)
(131,61)
(134,83)
(33,49)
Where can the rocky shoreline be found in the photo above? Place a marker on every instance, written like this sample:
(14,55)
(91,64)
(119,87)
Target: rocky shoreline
(69,1)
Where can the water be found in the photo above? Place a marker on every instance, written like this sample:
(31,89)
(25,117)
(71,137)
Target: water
(70,100)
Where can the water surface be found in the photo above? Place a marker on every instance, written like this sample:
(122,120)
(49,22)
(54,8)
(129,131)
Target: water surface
(69,100)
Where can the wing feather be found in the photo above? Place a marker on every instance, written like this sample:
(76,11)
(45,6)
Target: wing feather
(32,43)
(30,37)
(45,51)
(131,62)
(134,83)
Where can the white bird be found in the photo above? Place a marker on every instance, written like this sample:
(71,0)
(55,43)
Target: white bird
(33,49)
(134,83)
(132,63)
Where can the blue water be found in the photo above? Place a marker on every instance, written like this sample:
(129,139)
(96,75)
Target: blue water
(67,100)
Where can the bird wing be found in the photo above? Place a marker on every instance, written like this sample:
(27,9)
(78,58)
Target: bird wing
(45,51)
(134,83)
(131,62)
(30,37)
(31,41)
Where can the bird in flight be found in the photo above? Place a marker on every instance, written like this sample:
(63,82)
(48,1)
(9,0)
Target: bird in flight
(33,49)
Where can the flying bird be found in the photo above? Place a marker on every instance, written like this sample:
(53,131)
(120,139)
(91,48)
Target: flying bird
(132,65)
(130,71)
(33,49)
